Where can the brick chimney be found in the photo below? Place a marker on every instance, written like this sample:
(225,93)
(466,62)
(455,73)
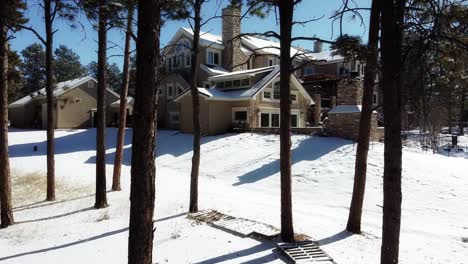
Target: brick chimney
(318,46)
(232,55)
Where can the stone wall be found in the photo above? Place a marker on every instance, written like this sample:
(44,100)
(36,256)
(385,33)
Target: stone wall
(346,125)
(349,92)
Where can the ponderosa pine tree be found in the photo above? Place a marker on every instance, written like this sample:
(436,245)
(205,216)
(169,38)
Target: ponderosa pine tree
(360,170)
(10,16)
(195,6)
(130,6)
(67,65)
(52,9)
(143,171)
(393,13)
(101,194)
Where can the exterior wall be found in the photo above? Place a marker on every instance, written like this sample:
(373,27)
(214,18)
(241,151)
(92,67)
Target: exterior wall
(220,117)
(186,115)
(260,61)
(73,110)
(78,114)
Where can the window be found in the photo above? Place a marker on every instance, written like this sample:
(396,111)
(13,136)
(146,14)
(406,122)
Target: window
(374,98)
(188,60)
(213,57)
(206,85)
(236,83)
(170,92)
(245,82)
(309,70)
(228,84)
(174,117)
(240,116)
(265,120)
(267,95)
(270,62)
(273,61)
(275,120)
(220,85)
(276,91)
(293,97)
(293,120)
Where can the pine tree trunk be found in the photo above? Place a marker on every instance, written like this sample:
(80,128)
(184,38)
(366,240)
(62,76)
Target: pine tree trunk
(462,110)
(101,196)
(360,170)
(143,172)
(286,9)
(391,41)
(6,212)
(123,102)
(50,104)
(193,206)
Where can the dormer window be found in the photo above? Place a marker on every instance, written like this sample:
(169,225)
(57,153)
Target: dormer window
(233,84)
(213,57)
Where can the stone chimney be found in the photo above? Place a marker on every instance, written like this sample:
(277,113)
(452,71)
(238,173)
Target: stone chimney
(232,55)
(349,92)
(318,46)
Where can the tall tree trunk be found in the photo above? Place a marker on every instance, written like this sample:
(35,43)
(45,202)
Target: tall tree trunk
(123,102)
(101,196)
(286,9)
(462,110)
(6,212)
(50,103)
(143,172)
(193,206)
(391,41)
(360,170)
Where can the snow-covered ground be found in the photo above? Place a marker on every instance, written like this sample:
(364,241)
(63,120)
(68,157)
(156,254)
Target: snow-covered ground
(238,176)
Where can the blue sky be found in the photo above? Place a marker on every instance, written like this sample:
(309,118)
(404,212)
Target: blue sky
(84,40)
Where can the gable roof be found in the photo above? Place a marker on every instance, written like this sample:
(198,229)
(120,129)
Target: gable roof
(58,90)
(206,39)
(246,94)
(251,44)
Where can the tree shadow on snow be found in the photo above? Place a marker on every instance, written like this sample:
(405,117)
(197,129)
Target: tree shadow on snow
(309,149)
(168,142)
(265,246)
(81,241)
(84,140)
(335,238)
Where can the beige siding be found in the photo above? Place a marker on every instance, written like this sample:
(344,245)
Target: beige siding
(220,117)
(186,115)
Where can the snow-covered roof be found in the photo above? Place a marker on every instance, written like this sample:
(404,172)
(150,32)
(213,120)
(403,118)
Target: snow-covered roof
(244,72)
(213,70)
(345,109)
(116,103)
(251,44)
(206,38)
(59,89)
(215,93)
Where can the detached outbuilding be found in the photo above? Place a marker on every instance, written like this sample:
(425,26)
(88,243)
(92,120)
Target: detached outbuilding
(75,104)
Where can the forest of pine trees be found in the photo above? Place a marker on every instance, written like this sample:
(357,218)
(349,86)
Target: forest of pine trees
(416,52)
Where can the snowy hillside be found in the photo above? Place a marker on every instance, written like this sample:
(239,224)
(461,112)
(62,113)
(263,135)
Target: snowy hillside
(238,176)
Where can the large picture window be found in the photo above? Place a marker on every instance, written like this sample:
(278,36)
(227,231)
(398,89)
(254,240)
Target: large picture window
(265,120)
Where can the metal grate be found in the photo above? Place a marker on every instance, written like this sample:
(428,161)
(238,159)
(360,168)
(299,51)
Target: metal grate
(306,251)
